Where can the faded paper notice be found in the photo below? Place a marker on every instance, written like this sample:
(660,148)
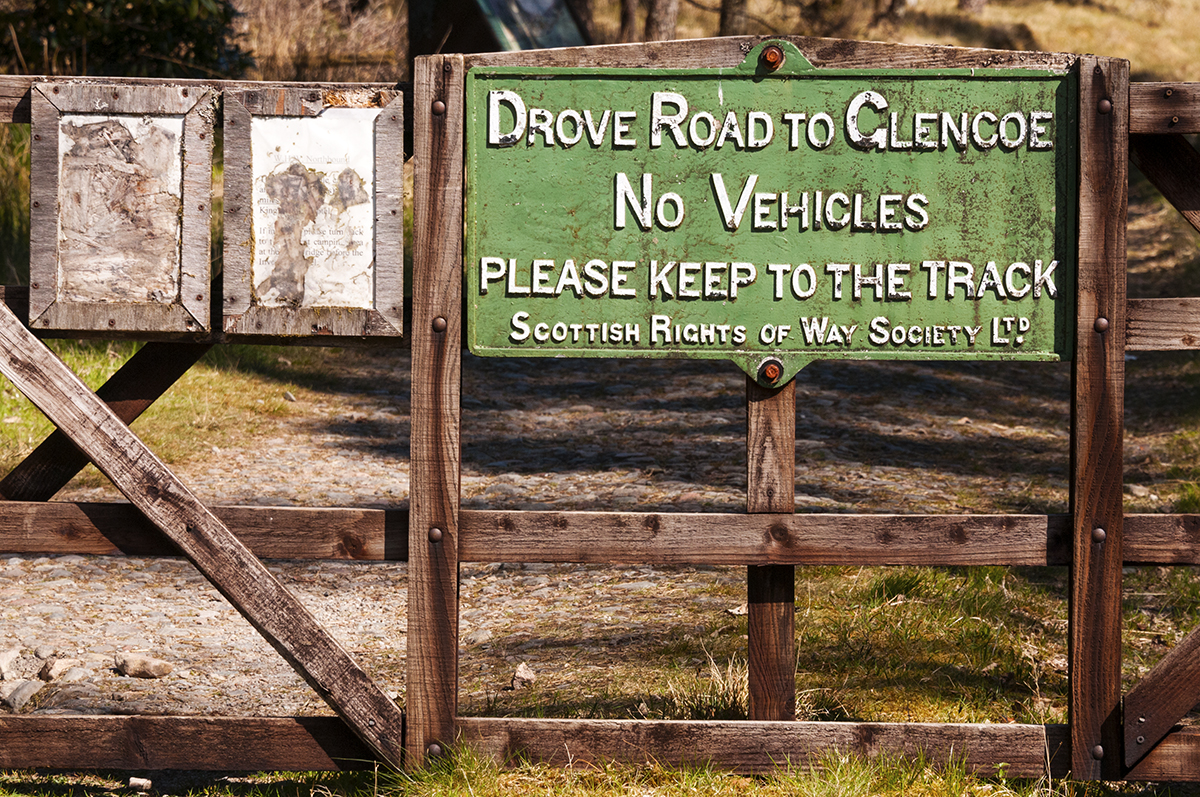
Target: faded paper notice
(314,209)
(120,191)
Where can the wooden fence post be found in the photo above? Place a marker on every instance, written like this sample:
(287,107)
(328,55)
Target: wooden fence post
(1097,422)
(432,685)
(771,589)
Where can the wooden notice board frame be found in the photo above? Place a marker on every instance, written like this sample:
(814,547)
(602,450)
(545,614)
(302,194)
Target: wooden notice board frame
(183,307)
(243,312)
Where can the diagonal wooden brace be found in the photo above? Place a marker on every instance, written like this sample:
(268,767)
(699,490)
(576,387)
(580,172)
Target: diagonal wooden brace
(129,392)
(206,541)
(1173,165)
(1166,693)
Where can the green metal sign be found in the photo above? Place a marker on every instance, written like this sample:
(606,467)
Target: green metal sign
(771,214)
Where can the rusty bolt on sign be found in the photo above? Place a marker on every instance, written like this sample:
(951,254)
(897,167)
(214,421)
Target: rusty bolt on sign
(773,57)
(770,371)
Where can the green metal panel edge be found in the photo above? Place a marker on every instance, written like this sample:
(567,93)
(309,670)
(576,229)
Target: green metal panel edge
(796,66)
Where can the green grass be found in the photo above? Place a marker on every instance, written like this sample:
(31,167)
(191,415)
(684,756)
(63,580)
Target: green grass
(14,204)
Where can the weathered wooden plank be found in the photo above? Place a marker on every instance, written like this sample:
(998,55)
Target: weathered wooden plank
(237,216)
(1173,165)
(1164,108)
(60,527)
(15,96)
(1164,695)
(1162,539)
(43,204)
(731,50)
(784,539)
(771,589)
(247,744)
(1097,422)
(609,537)
(758,747)
(228,564)
(1162,324)
(389,215)
(149,373)
(431,694)
(1176,759)
(195,261)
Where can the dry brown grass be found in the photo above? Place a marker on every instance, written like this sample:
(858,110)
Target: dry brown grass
(336,40)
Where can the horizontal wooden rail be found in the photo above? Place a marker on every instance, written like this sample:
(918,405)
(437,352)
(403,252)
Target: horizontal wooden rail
(247,744)
(732,539)
(1164,108)
(15,99)
(1162,324)
(58,527)
(754,747)
(1175,758)
(606,537)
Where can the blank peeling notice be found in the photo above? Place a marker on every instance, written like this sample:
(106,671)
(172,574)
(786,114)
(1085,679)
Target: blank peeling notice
(314,209)
(120,188)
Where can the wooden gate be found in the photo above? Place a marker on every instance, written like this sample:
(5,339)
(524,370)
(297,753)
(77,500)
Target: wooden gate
(1109,735)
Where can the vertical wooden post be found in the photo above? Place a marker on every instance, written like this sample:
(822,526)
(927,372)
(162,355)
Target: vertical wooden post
(1097,421)
(771,487)
(432,685)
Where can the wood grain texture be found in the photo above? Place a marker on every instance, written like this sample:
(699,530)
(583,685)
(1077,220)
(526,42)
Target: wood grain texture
(731,50)
(1164,108)
(195,266)
(1162,539)
(238,217)
(202,537)
(1098,423)
(111,529)
(609,537)
(1175,759)
(759,747)
(15,89)
(1162,324)
(703,538)
(771,589)
(389,215)
(1173,165)
(1162,698)
(432,684)
(137,384)
(292,744)
(43,201)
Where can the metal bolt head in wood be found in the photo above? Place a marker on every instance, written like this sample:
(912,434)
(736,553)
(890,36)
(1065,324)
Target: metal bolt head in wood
(435,534)
(770,371)
(434,749)
(1099,535)
(1098,752)
(439,324)
(1104,106)
(438,108)
(773,57)
(1101,324)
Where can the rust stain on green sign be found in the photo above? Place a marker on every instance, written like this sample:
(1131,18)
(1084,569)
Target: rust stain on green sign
(771,215)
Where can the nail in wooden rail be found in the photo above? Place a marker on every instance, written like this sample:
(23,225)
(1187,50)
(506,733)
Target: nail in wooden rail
(206,541)
(1097,421)
(432,685)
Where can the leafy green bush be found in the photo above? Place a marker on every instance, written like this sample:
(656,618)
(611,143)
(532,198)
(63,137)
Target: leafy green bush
(131,38)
